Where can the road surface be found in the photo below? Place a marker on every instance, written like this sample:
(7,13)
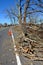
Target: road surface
(7,56)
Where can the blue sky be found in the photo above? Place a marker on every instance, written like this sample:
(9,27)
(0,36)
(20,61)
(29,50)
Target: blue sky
(7,4)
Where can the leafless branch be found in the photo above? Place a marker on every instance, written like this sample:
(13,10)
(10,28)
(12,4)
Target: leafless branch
(13,13)
(34,11)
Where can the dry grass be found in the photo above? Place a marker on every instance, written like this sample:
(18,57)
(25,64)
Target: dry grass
(20,40)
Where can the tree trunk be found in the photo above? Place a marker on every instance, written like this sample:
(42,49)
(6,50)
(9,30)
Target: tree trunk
(25,10)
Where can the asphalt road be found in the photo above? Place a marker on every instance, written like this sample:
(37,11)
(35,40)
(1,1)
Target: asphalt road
(7,56)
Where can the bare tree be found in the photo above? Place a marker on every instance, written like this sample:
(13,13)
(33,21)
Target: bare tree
(5,24)
(10,16)
(26,9)
(27,5)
